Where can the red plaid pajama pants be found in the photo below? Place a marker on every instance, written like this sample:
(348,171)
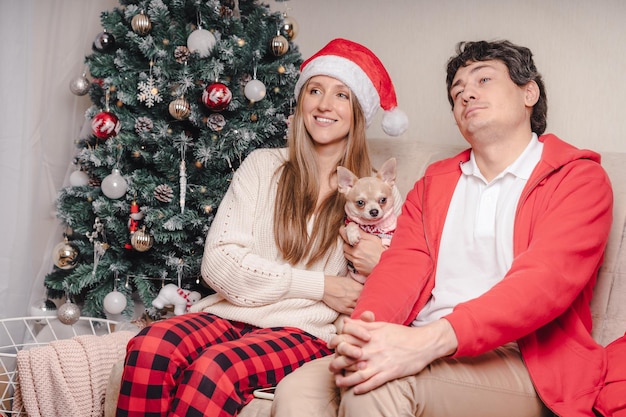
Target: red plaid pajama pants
(199,365)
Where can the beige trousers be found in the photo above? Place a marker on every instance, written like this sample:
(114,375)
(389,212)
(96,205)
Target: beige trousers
(494,384)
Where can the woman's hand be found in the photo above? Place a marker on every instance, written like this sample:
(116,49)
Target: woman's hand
(341,293)
(364,255)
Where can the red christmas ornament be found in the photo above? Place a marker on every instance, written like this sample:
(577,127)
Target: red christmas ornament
(216,96)
(105,125)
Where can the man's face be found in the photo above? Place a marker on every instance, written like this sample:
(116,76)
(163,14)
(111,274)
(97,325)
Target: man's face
(486,100)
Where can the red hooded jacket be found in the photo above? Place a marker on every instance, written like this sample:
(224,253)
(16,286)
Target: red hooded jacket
(561,229)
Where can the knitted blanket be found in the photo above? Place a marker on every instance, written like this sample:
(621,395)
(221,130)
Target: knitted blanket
(68,377)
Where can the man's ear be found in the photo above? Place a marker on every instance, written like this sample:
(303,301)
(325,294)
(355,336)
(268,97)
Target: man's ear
(531,93)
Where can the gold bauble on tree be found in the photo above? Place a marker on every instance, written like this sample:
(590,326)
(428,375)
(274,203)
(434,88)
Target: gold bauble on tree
(142,240)
(180,108)
(141,24)
(290,27)
(65,255)
(279,45)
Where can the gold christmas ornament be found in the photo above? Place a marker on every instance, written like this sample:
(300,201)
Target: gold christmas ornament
(142,240)
(141,24)
(65,255)
(180,108)
(279,45)
(290,27)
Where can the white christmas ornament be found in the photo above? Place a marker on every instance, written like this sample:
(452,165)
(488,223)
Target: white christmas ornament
(114,185)
(201,41)
(254,90)
(114,302)
(44,307)
(79,178)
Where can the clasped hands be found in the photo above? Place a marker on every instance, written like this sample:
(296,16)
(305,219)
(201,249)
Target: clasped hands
(370,353)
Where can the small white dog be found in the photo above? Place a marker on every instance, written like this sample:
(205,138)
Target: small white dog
(369,205)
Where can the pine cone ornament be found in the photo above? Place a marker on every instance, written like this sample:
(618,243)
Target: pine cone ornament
(164,193)
(216,122)
(245,79)
(95,182)
(143,124)
(181,54)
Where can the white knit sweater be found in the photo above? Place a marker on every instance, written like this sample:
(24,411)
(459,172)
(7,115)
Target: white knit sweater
(242,264)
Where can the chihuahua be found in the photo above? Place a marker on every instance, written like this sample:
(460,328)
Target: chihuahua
(369,206)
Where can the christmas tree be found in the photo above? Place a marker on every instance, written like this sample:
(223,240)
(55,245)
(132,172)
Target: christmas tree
(182,91)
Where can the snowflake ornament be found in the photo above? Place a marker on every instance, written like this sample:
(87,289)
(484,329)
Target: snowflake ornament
(148,93)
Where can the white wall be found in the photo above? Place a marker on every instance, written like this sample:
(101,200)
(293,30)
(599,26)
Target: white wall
(579,47)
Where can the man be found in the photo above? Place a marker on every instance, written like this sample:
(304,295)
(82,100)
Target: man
(480,307)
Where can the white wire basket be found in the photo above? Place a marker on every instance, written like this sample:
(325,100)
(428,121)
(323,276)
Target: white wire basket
(28,332)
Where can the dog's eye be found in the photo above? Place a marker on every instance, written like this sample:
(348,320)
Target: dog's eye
(383,200)
(360,203)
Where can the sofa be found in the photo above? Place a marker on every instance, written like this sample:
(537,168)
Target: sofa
(609,302)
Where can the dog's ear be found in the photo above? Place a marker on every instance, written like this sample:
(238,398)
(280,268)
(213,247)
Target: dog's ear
(345,180)
(387,172)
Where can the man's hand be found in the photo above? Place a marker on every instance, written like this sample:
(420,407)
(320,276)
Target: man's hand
(369,354)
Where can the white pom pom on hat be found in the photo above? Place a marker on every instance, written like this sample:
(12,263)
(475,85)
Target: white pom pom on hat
(365,75)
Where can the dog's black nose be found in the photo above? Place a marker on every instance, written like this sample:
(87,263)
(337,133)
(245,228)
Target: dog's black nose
(374,212)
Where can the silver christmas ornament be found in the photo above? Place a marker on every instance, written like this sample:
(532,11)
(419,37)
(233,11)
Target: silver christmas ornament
(79,85)
(68,313)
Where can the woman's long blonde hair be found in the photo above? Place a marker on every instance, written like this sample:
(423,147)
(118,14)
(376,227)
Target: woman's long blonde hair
(299,185)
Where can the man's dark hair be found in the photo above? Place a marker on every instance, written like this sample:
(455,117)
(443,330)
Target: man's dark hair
(519,61)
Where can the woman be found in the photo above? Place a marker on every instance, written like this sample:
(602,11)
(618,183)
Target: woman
(273,255)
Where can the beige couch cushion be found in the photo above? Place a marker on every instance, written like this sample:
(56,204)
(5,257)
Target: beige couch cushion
(609,303)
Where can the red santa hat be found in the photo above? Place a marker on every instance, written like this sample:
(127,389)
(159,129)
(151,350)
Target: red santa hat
(361,70)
